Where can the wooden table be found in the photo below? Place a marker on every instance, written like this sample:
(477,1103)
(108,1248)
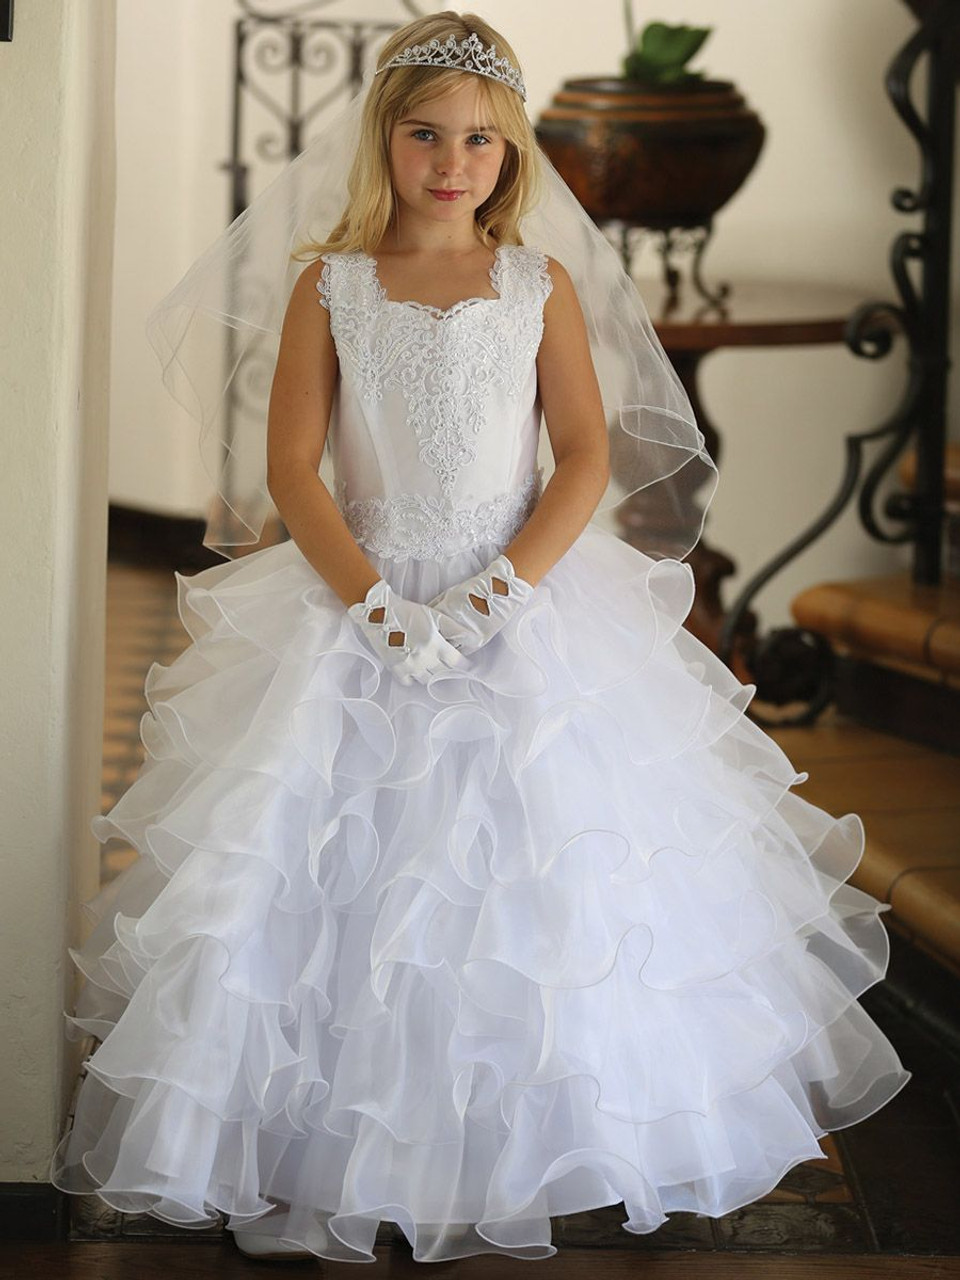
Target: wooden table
(758,313)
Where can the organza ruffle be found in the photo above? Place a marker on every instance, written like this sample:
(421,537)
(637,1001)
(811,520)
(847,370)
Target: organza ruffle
(551,933)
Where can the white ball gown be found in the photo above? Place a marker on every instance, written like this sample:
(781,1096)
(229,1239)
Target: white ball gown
(549,933)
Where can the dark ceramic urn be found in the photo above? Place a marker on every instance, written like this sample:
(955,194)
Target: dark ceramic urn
(655,157)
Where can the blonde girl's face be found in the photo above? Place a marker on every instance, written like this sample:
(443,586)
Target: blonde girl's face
(448,144)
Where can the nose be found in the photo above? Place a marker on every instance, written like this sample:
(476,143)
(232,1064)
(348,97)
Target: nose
(449,159)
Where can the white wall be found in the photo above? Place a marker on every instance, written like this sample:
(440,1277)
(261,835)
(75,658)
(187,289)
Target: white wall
(169,200)
(56,211)
(816,208)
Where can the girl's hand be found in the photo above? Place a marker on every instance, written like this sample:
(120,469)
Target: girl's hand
(404,633)
(474,610)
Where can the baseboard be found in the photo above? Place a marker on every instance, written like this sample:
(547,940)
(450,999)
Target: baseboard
(922,987)
(33,1211)
(147,538)
(174,542)
(891,701)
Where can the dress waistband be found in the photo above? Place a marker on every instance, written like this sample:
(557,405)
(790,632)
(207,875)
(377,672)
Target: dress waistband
(417,526)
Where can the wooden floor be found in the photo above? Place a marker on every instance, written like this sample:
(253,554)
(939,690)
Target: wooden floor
(881,1202)
(908,797)
(225,1262)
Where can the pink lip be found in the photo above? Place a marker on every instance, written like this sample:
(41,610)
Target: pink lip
(443,194)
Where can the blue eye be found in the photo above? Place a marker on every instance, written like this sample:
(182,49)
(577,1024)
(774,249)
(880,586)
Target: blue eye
(416,132)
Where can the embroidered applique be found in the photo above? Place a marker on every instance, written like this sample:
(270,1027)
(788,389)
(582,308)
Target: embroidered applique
(443,360)
(421,526)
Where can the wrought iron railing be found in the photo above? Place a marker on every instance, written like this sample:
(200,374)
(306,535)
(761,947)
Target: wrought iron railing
(792,664)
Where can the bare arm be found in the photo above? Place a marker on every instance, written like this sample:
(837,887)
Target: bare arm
(576,424)
(298,419)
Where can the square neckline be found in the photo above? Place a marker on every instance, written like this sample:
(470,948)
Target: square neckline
(429,307)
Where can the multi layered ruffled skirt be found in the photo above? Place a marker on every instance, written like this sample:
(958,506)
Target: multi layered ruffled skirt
(550,933)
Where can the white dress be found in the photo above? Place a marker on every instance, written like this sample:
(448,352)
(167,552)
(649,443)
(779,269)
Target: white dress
(550,933)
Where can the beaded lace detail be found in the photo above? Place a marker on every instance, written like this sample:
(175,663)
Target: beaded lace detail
(422,527)
(443,360)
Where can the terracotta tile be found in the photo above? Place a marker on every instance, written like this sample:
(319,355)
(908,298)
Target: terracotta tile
(840,1194)
(780,1195)
(832,1159)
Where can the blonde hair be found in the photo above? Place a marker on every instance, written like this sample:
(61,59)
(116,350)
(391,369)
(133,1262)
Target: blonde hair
(372,203)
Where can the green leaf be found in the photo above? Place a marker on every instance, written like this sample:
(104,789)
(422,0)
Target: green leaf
(639,68)
(677,75)
(636,67)
(671,46)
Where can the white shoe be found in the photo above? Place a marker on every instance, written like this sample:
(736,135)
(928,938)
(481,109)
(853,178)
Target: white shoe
(260,1245)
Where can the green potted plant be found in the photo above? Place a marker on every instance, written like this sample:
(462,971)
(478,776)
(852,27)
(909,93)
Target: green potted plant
(660,53)
(660,146)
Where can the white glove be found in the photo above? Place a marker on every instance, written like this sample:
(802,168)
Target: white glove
(418,647)
(474,610)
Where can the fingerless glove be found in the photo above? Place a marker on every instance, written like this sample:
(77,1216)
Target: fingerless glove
(404,633)
(475,610)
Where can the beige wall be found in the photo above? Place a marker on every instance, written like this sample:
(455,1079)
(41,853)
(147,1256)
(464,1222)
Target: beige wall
(56,211)
(172,77)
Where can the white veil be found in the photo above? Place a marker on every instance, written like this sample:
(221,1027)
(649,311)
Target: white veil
(217,336)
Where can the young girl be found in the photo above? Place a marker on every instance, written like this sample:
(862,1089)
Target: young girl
(468,896)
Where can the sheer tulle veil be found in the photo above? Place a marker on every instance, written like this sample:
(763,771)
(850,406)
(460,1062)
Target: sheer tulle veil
(217,334)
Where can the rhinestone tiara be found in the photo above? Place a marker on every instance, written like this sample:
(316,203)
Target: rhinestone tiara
(469,54)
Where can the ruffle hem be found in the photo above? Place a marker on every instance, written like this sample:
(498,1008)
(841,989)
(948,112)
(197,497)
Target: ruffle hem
(548,934)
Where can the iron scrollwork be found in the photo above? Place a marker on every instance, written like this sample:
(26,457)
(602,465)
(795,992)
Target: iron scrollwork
(671,244)
(793,664)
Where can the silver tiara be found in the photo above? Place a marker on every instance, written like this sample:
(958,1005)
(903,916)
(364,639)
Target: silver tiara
(470,54)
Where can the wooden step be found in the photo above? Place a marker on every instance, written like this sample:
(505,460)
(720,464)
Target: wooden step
(898,648)
(889,619)
(908,797)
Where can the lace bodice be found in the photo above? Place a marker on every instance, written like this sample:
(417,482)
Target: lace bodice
(435,422)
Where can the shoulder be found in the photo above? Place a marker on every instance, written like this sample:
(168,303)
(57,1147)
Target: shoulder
(540,268)
(558,286)
(309,277)
(335,267)
(559,276)
(312,285)
(562,294)
(308,305)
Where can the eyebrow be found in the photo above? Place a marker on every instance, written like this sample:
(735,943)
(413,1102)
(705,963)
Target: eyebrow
(480,128)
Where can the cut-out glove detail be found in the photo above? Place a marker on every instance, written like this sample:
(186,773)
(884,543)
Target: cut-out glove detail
(473,611)
(404,633)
